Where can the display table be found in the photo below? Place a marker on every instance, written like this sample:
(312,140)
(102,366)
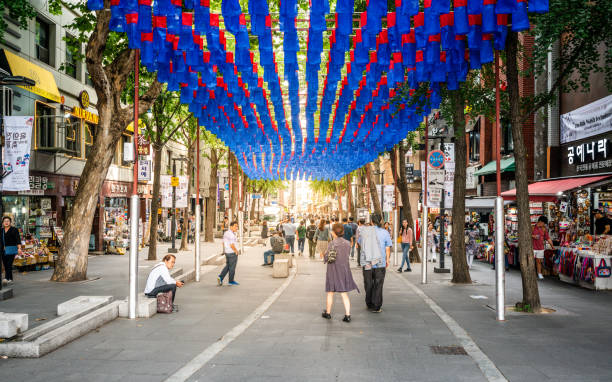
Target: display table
(579,266)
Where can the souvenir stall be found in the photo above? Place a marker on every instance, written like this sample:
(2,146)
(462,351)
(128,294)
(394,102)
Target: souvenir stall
(117,230)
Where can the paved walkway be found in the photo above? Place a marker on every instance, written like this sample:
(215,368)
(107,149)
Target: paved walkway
(291,342)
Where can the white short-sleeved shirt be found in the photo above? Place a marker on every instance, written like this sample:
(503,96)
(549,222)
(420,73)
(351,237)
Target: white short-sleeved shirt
(229,238)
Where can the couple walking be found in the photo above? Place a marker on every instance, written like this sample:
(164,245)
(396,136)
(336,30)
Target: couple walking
(375,244)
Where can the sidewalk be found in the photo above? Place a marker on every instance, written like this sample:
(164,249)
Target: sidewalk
(291,342)
(108,275)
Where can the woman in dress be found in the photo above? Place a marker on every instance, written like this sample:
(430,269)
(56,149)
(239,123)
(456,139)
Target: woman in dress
(431,243)
(322,237)
(339,278)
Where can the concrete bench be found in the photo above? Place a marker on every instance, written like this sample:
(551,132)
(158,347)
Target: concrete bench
(82,302)
(145,308)
(12,323)
(284,256)
(280,268)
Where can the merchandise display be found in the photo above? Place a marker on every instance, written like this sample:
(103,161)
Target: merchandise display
(587,263)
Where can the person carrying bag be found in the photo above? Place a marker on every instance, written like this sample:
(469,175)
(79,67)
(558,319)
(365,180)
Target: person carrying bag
(11,246)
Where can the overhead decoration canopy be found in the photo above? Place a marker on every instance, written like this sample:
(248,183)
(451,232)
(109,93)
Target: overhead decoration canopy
(238,95)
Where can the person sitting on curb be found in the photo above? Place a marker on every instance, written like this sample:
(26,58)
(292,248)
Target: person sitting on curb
(278,244)
(160,281)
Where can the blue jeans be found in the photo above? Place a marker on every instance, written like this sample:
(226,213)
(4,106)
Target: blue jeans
(231,259)
(291,241)
(301,243)
(269,253)
(405,255)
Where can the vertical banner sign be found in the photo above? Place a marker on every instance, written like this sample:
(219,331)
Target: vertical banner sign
(449,182)
(181,191)
(449,152)
(144,170)
(16,156)
(144,147)
(389,199)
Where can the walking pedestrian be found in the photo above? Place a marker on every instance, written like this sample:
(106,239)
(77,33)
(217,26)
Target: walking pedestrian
(231,254)
(357,245)
(289,230)
(470,243)
(349,234)
(406,236)
(338,278)
(322,237)
(301,231)
(432,243)
(11,246)
(354,228)
(539,237)
(311,231)
(375,244)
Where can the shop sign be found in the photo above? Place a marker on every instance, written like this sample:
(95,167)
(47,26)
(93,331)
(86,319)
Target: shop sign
(118,189)
(143,189)
(587,121)
(144,146)
(470,179)
(588,156)
(86,115)
(84,99)
(32,192)
(449,152)
(144,170)
(39,183)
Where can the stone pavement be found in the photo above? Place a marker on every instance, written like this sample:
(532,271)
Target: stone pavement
(291,342)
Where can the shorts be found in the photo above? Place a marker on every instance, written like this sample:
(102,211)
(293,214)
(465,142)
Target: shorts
(538,254)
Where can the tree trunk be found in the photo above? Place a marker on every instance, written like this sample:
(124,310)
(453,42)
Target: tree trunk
(461,272)
(339,193)
(531,294)
(402,186)
(373,191)
(211,199)
(349,196)
(187,211)
(157,157)
(72,260)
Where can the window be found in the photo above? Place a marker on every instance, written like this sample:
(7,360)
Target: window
(88,78)
(70,66)
(90,137)
(43,40)
(124,139)
(45,125)
(73,136)
(474,137)
(507,143)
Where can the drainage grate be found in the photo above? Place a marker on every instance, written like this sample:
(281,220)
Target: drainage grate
(448,350)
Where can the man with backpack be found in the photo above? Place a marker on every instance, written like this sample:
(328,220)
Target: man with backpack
(310,235)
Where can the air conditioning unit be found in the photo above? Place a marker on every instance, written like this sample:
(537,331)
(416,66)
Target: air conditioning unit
(6,101)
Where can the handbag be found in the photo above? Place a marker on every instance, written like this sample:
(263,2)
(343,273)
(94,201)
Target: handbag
(9,249)
(164,302)
(603,270)
(331,255)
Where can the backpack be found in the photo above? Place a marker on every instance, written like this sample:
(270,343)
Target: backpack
(331,255)
(164,302)
(310,232)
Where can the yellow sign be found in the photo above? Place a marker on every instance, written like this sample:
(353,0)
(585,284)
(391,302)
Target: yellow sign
(45,82)
(141,126)
(174,181)
(84,99)
(86,115)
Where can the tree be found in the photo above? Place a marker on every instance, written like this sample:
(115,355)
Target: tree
(188,136)
(214,152)
(166,118)
(110,64)
(373,192)
(348,178)
(402,187)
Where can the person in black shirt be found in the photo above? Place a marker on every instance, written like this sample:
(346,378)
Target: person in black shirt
(602,224)
(11,245)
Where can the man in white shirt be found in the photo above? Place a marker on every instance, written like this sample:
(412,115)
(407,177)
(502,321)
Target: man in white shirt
(160,281)
(231,254)
(289,230)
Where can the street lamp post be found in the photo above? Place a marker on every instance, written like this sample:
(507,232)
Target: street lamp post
(8,80)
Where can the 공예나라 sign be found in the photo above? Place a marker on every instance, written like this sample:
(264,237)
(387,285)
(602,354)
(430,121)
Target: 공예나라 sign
(588,156)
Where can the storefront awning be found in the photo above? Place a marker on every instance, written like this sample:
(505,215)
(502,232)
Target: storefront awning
(18,66)
(506,165)
(548,190)
(481,203)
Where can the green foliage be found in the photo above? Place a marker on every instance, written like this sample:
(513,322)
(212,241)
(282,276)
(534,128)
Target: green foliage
(327,187)
(585,28)
(19,10)
(165,119)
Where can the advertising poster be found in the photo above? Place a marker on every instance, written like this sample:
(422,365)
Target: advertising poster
(16,156)
(181,191)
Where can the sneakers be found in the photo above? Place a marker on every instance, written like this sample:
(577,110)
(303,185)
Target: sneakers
(540,277)
(234,283)
(379,310)
(219,281)
(347,318)
(399,270)
(326,315)
(408,270)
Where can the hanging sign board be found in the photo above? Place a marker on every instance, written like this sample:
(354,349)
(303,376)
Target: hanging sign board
(587,121)
(435,179)
(144,170)
(449,152)
(16,158)
(181,191)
